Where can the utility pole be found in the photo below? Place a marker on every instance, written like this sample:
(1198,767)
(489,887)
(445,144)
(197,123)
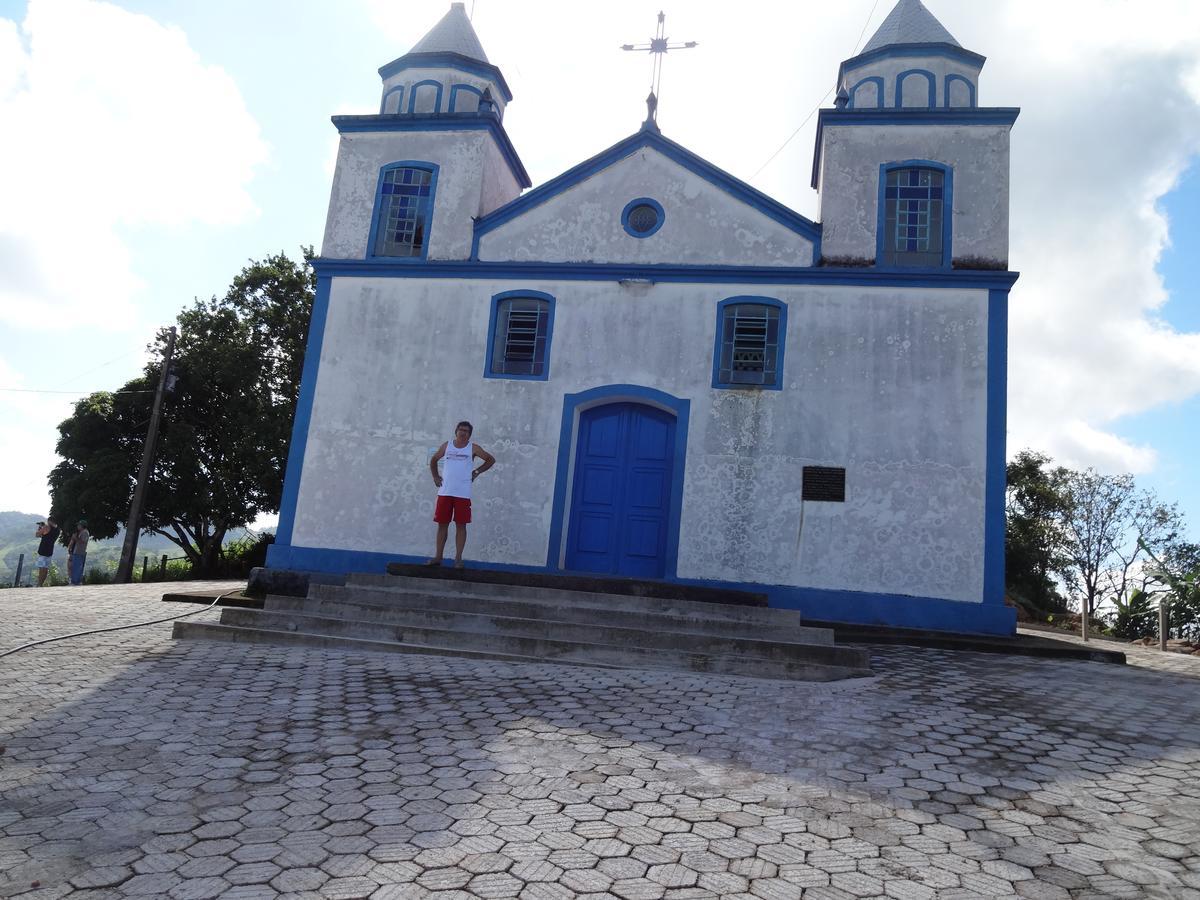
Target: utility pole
(129,551)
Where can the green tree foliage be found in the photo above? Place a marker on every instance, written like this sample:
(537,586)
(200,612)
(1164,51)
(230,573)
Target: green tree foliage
(1135,616)
(226,425)
(1176,575)
(1035,557)
(1108,526)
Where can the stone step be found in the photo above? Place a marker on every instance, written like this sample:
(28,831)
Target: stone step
(609,603)
(581,582)
(381,600)
(398,624)
(264,626)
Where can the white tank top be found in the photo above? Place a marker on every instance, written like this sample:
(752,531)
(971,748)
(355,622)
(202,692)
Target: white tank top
(457,463)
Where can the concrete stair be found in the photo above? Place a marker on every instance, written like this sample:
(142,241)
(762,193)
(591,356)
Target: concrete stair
(543,624)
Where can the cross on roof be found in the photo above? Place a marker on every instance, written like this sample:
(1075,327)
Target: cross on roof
(658,47)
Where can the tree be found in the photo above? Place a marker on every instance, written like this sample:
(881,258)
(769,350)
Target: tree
(1107,525)
(225,427)
(1034,548)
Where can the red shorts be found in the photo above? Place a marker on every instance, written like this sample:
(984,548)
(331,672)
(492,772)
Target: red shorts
(459,507)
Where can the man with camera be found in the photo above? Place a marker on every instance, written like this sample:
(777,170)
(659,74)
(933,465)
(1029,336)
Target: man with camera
(48,531)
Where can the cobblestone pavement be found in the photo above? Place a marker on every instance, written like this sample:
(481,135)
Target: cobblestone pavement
(133,765)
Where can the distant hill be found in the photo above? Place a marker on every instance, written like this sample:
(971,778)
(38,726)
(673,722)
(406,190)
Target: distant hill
(17,537)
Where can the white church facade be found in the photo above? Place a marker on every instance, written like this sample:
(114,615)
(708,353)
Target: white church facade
(680,378)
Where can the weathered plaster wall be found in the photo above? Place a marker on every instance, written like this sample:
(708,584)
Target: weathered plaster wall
(460,156)
(849,188)
(703,225)
(888,383)
(916,89)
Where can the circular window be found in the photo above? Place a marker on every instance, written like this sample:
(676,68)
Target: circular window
(642,217)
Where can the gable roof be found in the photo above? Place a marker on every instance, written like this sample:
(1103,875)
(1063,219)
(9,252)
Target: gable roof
(452,34)
(910,23)
(651,137)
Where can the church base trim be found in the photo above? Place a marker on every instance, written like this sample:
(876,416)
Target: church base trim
(818,604)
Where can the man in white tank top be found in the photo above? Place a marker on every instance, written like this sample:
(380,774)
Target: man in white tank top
(454,489)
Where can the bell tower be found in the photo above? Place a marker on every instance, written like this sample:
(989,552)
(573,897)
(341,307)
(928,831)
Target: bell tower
(411,180)
(911,171)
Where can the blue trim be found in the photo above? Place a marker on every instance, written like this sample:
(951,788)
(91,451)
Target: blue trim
(642,201)
(439,122)
(304,405)
(816,604)
(673,151)
(447,61)
(915,116)
(398,89)
(898,51)
(880,98)
(497,299)
(929,77)
(385,267)
(950,79)
(573,405)
(716,367)
(414,93)
(997,424)
(947,209)
(456,89)
(432,168)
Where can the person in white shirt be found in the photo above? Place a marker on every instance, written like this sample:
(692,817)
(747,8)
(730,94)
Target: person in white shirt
(454,488)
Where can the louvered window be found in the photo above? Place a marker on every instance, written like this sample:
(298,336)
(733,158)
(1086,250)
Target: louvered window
(521,338)
(749,345)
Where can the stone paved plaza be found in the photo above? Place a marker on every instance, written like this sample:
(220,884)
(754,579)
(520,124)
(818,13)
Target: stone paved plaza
(133,765)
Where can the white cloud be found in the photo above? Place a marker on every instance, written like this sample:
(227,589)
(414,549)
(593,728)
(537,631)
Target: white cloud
(111,120)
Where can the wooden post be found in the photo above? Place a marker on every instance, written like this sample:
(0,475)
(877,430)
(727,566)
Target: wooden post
(20,566)
(162,568)
(129,550)
(1163,622)
(145,565)
(1083,620)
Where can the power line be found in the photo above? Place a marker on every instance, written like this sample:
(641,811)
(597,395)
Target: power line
(40,391)
(820,102)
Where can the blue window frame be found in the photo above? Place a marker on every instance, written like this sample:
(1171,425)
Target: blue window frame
(403,209)
(519,332)
(642,217)
(751,333)
(915,205)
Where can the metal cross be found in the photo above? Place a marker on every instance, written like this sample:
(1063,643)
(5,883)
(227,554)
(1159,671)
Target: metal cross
(658,47)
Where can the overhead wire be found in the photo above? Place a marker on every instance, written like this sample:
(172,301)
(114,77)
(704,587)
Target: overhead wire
(820,102)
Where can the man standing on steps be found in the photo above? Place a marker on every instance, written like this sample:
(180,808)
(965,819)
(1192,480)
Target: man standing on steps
(454,489)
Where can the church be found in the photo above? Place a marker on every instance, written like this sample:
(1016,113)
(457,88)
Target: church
(680,377)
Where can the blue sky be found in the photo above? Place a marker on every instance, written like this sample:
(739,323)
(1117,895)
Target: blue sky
(197,136)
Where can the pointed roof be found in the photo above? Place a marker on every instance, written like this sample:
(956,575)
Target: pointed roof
(453,34)
(910,23)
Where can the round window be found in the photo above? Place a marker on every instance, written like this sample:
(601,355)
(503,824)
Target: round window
(642,217)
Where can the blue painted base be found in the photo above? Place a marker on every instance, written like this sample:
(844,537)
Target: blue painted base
(852,607)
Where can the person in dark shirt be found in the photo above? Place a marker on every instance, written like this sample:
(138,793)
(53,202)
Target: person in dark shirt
(48,531)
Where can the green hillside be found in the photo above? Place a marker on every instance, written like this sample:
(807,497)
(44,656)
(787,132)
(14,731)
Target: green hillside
(17,537)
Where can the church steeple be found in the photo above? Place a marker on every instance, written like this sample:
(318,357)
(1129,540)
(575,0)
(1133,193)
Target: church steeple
(910,23)
(453,34)
(446,71)
(911,61)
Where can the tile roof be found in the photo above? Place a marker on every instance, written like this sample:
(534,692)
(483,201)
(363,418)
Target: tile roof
(453,34)
(910,23)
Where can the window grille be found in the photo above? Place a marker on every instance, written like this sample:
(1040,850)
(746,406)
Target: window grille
(913,223)
(522,331)
(749,344)
(404,212)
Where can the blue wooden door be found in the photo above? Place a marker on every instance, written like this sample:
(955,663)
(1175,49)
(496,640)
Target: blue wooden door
(620,501)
